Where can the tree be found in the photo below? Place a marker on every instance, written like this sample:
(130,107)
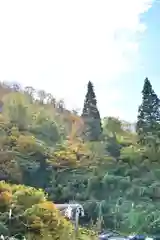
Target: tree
(148,121)
(113,147)
(60,105)
(17,110)
(29,91)
(16,87)
(91,116)
(112,125)
(42,96)
(51,99)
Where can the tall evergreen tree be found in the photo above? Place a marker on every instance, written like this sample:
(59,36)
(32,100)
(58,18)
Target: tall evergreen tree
(91,116)
(148,121)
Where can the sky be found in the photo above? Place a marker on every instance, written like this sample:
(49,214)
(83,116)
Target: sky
(60,45)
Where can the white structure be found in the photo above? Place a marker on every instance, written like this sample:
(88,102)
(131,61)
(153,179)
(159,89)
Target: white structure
(72,212)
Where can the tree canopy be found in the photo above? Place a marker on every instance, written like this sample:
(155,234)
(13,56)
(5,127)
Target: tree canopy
(91,116)
(148,113)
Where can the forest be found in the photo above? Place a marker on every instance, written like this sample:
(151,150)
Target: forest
(49,154)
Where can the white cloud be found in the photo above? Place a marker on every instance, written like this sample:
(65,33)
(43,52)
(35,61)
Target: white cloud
(60,45)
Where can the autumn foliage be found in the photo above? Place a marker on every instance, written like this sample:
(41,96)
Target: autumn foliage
(98,162)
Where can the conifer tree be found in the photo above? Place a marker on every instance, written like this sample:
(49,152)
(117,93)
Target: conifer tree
(91,116)
(148,121)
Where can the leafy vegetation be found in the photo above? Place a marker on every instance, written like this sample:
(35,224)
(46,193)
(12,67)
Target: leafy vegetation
(149,114)
(113,172)
(91,116)
(32,215)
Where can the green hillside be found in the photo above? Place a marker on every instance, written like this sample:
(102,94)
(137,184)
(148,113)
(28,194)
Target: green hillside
(113,171)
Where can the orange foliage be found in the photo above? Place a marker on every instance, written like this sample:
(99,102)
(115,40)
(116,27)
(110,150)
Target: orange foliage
(5,198)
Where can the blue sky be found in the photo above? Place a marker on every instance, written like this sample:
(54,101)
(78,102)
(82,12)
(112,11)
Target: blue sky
(60,45)
(149,57)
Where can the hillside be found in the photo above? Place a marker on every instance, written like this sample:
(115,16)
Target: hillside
(32,216)
(101,164)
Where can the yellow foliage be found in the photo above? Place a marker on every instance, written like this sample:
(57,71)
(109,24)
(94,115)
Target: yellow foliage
(5,187)
(29,197)
(40,216)
(26,143)
(45,217)
(85,234)
(5,195)
(5,198)
(48,206)
(71,154)
(37,223)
